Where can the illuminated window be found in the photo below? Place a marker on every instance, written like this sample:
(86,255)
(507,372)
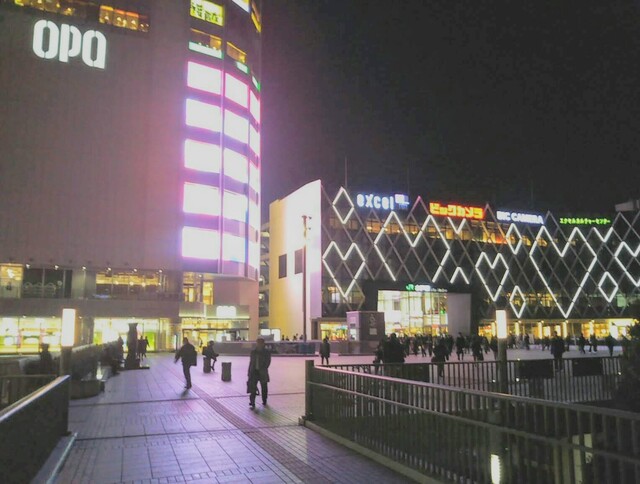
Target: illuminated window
(254,254)
(243,4)
(123,19)
(235,206)
(205,43)
(235,53)
(202,156)
(254,215)
(236,90)
(254,177)
(236,126)
(208,11)
(201,199)
(254,140)
(254,106)
(233,248)
(282,266)
(256,17)
(203,115)
(204,78)
(236,166)
(200,243)
(256,83)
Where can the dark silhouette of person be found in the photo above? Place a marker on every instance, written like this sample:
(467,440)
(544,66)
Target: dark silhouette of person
(259,363)
(461,343)
(594,343)
(393,350)
(189,358)
(582,342)
(439,356)
(610,341)
(46,360)
(325,351)
(210,353)
(557,349)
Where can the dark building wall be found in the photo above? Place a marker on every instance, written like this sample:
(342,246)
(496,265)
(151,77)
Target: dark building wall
(90,157)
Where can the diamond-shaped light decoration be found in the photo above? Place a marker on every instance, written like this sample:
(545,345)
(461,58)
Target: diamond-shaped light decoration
(609,297)
(517,293)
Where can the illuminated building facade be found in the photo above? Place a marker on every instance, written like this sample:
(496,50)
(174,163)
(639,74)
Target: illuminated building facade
(416,261)
(130,169)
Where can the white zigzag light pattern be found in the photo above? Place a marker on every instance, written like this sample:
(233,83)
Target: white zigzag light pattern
(590,260)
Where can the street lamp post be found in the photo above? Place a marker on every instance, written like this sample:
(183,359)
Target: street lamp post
(305,224)
(501,330)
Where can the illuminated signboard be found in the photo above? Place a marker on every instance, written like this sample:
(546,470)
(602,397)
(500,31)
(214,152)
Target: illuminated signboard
(226,312)
(527,218)
(390,202)
(208,11)
(66,42)
(422,288)
(584,221)
(454,210)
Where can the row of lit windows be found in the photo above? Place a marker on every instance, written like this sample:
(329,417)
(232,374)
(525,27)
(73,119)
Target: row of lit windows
(209,117)
(209,79)
(84,9)
(214,13)
(205,200)
(123,19)
(204,244)
(207,157)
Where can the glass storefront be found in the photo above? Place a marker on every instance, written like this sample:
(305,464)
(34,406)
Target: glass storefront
(25,335)
(414,312)
(155,330)
(573,328)
(203,330)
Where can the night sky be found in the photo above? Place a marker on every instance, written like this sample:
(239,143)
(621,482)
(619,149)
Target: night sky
(531,104)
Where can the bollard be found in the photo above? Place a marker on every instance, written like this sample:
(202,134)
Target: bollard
(226,371)
(308,407)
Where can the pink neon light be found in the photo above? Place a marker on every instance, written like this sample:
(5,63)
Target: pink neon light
(236,126)
(203,115)
(233,248)
(254,106)
(236,90)
(254,177)
(200,243)
(236,165)
(202,156)
(204,78)
(201,199)
(254,140)
(235,206)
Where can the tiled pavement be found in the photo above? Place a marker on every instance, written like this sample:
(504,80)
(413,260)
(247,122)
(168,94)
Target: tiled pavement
(146,428)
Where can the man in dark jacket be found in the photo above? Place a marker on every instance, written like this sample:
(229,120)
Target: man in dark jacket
(189,358)
(557,349)
(393,350)
(258,372)
(325,351)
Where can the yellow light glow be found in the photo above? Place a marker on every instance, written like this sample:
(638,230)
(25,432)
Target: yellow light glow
(68,327)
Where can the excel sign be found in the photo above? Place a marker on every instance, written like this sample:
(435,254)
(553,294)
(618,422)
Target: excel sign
(66,42)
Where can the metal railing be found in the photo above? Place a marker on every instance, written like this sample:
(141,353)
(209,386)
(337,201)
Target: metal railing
(579,380)
(15,387)
(462,435)
(30,430)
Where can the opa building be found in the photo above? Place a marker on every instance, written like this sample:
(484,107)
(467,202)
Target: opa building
(430,266)
(129,169)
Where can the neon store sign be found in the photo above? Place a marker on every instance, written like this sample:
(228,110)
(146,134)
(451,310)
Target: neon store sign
(378,202)
(422,288)
(527,218)
(584,221)
(454,210)
(66,42)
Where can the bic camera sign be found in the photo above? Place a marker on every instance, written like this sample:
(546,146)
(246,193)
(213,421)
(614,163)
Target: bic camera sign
(66,42)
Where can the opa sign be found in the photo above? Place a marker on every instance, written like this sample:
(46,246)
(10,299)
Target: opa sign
(66,42)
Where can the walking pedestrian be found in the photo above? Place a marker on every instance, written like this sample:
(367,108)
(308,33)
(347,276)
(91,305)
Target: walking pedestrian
(460,345)
(258,372)
(189,358)
(582,342)
(610,341)
(325,351)
(594,343)
(557,348)
(439,356)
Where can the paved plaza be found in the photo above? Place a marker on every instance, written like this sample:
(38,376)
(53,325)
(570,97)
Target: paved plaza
(147,428)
